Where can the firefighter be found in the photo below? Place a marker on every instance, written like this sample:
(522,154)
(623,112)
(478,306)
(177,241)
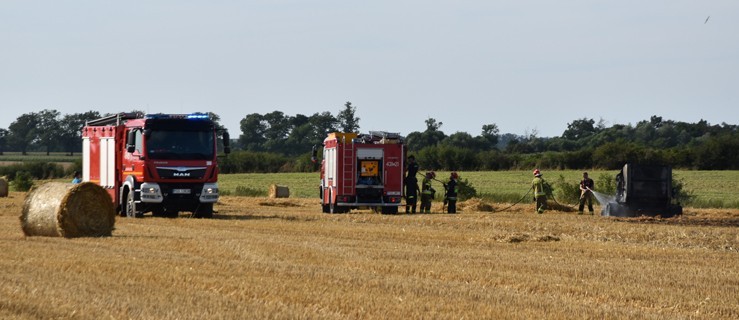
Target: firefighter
(411,168)
(586,193)
(77,178)
(451,193)
(411,194)
(427,192)
(539,193)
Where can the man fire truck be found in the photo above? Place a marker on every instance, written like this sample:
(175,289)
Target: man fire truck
(362,171)
(159,163)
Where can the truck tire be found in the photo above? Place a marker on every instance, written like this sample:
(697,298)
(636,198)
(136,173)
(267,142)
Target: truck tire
(164,213)
(130,206)
(333,208)
(204,210)
(389,210)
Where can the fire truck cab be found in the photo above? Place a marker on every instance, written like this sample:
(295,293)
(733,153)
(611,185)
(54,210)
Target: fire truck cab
(159,163)
(362,170)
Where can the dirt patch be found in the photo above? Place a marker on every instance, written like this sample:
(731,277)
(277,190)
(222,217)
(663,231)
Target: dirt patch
(525,237)
(276,203)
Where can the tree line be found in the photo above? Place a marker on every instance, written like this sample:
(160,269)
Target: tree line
(276,141)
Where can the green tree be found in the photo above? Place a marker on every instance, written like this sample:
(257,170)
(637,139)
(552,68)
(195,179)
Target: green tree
(3,140)
(431,137)
(70,132)
(278,128)
(49,128)
(253,128)
(579,129)
(23,132)
(348,122)
(462,140)
(322,123)
(489,135)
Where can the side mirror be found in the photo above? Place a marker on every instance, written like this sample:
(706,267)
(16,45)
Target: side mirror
(226,142)
(131,141)
(314,154)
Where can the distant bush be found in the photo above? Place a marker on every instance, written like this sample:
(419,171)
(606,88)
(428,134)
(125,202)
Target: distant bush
(606,183)
(466,190)
(22,181)
(567,192)
(682,195)
(37,170)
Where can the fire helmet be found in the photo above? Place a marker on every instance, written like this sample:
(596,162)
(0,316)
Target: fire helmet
(454,175)
(537,172)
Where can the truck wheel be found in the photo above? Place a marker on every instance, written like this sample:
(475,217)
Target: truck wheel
(333,208)
(130,206)
(389,210)
(204,211)
(325,208)
(163,212)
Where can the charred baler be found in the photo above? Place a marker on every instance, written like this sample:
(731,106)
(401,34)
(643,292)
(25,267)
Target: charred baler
(643,190)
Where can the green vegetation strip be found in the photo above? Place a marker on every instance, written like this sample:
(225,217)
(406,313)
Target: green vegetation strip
(715,189)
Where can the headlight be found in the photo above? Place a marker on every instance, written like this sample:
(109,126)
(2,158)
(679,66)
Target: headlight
(210,193)
(150,192)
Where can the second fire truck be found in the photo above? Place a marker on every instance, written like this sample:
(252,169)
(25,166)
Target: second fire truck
(362,170)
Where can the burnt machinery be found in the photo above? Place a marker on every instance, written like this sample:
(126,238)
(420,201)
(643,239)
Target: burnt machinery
(643,190)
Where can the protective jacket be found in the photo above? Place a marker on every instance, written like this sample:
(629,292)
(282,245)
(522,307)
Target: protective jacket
(451,190)
(538,185)
(426,186)
(587,184)
(412,169)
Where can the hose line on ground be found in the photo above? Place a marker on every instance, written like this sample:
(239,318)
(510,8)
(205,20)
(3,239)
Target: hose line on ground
(519,200)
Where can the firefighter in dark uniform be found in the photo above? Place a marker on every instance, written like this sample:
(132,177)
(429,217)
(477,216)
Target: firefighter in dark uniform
(411,194)
(586,193)
(411,168)
(451,193)
(427,192)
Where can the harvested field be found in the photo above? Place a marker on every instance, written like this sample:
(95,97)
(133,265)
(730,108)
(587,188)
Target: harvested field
(282,258)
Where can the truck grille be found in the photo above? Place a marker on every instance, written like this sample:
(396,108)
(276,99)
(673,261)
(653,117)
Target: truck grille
(181,172)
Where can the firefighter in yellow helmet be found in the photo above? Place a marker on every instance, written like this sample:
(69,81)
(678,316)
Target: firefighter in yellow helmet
(427,192)
(539,194)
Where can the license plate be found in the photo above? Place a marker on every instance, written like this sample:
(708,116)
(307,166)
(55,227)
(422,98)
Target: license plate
(181,191)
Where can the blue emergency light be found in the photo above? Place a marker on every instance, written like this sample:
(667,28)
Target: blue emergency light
(192,116)
(198,115)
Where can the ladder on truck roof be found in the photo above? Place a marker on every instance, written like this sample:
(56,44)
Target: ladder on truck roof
(113,119)
(348,175)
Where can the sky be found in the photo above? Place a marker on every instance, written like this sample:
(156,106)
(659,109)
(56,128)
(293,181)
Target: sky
(531,67)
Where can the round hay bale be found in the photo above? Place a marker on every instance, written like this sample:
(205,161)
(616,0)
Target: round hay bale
(57,209)
(276,191)
(3,187)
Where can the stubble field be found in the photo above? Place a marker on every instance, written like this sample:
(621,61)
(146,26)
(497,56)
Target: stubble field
(269,258)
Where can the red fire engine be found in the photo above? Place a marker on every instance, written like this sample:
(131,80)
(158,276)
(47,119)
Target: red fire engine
(362,171)
(159,163)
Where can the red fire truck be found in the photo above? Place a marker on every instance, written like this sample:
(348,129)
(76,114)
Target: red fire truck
(364,170)
(159,163)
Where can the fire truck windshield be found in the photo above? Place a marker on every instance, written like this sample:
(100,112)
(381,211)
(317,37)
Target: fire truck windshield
(180,145)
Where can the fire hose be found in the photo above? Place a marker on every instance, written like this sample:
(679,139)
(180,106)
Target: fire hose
(519,200)
(557,202)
